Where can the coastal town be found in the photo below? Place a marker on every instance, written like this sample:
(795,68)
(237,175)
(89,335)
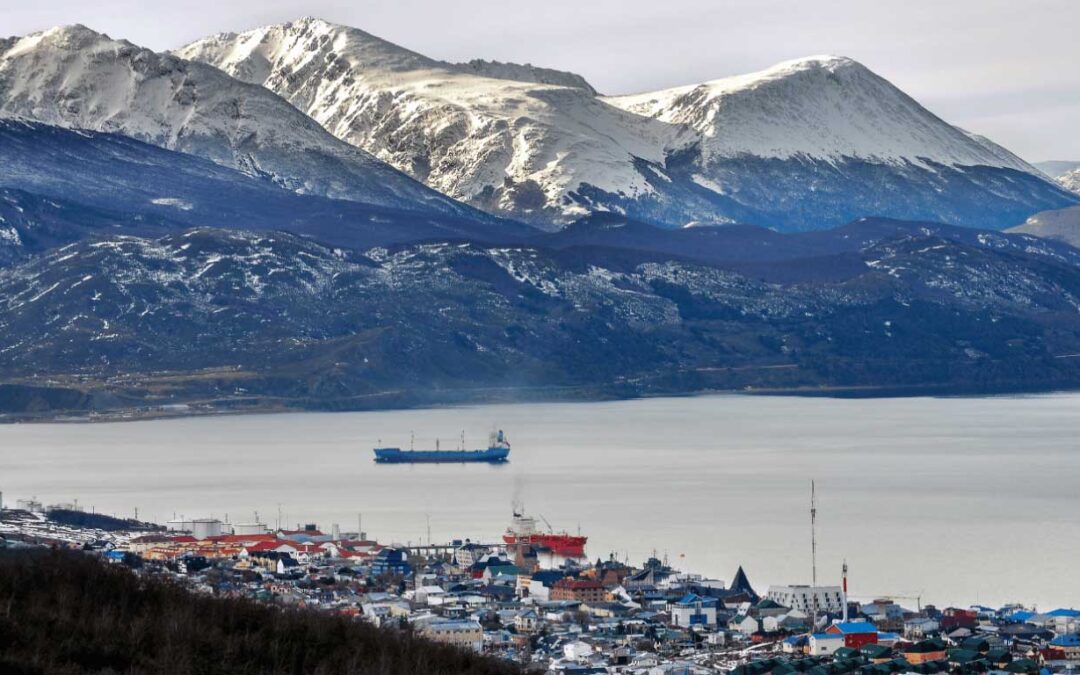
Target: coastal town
(534,597)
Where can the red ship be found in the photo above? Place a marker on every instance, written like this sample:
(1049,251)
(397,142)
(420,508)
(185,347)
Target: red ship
(523,531)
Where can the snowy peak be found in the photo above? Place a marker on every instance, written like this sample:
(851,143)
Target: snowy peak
(524,73)
(331,110)
(821,107)
(252,56)
(807,143)
(75,77)
(512,139)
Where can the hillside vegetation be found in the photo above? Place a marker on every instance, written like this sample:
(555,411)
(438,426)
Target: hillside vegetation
(63,612)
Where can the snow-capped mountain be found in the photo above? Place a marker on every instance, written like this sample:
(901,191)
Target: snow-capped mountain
(75,77)
(806,144)
(496,135)
(1071,180)
(821,108)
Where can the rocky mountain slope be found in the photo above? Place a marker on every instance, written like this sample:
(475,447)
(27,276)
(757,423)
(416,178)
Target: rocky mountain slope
(220,318)
(58,185)
(807,144)
(75,77)
(1059,225)
(520,147)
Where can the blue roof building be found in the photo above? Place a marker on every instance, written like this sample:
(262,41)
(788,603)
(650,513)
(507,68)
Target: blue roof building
(852,627)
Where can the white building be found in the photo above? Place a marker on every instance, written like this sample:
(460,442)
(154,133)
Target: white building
(747,625)
(429,595)
(577,650)
(527,621)
(808,598)
(693,610)
(824,644)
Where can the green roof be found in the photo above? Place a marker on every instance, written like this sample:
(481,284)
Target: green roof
(998,656)
(1022,666)
(875,651)
(963,655)
(925,646)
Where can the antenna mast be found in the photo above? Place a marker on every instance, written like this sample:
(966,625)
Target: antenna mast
(813,551)
(845,592)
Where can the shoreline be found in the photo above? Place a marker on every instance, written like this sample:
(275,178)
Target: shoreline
(279,406)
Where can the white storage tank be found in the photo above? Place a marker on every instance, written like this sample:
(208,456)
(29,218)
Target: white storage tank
(179,525)
(249,528)
(203,528)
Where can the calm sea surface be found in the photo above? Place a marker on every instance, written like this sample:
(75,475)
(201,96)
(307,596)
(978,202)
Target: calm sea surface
(958,500)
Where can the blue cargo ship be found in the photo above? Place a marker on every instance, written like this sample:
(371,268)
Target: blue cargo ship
(497,452)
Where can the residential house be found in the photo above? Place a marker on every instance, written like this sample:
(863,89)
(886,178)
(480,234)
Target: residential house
(924,651)
(855,633)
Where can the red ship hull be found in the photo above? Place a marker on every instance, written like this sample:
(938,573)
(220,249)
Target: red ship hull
(561,544)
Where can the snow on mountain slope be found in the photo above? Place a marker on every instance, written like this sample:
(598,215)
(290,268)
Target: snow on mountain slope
(1066,173)
(59,185)
(517,147)
(807,144)
(523,73)
(1055,168)
(1071,180)
(821,107)
(75,77)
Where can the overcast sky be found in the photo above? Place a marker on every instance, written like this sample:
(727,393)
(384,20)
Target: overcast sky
(1008,69)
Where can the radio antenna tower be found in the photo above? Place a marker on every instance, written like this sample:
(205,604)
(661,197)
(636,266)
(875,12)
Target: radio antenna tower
(813,553)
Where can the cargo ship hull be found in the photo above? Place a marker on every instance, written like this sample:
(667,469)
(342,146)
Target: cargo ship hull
(399,456)
(523,532)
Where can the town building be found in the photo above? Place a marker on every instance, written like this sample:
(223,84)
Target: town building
(579,590)
(855,633)
(468,634)
(823,599)
(693,610)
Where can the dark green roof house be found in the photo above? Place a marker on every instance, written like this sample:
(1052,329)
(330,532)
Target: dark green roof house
(976,643)
(876,652)
(1025,666)
(963,655)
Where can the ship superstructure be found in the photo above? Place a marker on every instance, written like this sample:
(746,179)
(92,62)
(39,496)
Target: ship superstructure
(523,531)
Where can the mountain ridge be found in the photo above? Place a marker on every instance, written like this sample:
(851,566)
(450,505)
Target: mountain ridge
(548,152)
(75,77)
(210,320)
(58,185)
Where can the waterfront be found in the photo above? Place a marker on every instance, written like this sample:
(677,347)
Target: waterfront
(957,500)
